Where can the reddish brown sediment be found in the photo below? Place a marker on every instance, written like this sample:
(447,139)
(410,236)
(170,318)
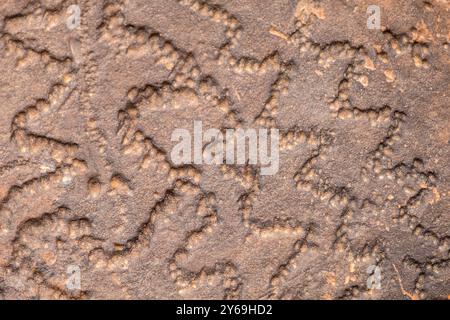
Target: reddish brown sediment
(88,185)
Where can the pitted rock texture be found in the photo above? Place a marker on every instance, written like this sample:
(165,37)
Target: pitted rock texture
(86,179)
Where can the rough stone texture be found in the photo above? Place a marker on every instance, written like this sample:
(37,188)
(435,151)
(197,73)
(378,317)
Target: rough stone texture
(86,175)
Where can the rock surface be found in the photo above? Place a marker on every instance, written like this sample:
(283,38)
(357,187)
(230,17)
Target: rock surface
(92,207)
